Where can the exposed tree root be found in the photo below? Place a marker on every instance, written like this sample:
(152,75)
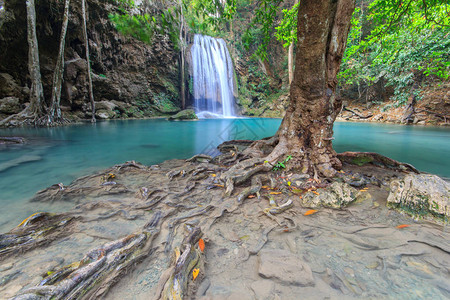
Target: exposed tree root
(361,158)
(37,230)
(185,261)
(98,270)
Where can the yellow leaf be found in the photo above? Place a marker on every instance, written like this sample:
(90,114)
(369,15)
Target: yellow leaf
(289,183)
(213,175)
(275,193)
(195,273)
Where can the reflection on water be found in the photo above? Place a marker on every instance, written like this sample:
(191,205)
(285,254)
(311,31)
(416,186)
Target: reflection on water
(56,155)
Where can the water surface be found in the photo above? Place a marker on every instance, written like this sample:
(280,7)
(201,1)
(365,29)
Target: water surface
(62,154)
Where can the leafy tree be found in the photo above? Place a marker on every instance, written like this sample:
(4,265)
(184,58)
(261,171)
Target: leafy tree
(400,53)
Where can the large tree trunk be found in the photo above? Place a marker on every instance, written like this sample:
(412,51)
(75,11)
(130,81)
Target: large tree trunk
(36,92)
(55,109)
(86,42)
(306,131)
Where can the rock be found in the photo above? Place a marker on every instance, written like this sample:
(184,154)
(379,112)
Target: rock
(284,267)
(337,195)
(8,86)
(421,195)
(105,110)
(10,105)
(11,140)
(263,289)
(187,114)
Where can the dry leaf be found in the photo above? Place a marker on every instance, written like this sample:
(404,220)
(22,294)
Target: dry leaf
(275,193)
(195,273)
(403,226)
(201,244)
(310,212)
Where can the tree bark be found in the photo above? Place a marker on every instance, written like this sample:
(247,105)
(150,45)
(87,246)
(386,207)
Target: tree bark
(182,57)
(86,41)
(36,91)
(307,129)
(291,57)
(55,109)
(291,62)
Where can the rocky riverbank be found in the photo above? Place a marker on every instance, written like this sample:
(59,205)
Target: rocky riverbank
(135,230)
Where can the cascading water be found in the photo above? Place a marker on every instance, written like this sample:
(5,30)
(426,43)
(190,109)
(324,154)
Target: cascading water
(213,77)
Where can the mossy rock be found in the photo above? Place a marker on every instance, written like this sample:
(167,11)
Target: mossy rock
(187,114)
(421,195)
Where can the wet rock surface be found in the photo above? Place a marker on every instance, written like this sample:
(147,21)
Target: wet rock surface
(363,250)
(283,266)
(187,114)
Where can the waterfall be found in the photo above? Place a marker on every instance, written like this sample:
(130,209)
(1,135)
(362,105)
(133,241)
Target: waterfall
(213,77)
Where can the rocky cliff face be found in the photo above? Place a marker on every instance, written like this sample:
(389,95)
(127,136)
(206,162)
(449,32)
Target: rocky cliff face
(130,78)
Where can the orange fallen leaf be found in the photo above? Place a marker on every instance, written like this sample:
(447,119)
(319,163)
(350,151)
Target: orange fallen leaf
(219,185)
(251,196)
(213,175)
(195,273)
(315,192)
(403,226)
(265,187)
(201,244)
(310,212)
(275,193)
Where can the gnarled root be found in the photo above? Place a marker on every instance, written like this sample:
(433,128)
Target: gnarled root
(361,158)
(241,172)
(37,230)
(175,286)
(98,270)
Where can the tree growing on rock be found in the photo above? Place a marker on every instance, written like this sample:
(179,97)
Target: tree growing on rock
(54,114)
(34,111)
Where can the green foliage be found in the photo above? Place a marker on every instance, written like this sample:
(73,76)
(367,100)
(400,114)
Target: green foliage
(209,17)
(405,44)
(137,26)
(281,164)
(286,32)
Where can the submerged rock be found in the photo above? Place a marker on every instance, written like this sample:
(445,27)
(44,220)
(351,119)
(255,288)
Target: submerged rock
(421,195)
(337,195)
(284,267)
(187,114)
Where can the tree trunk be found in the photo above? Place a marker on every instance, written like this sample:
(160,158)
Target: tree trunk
(36,91)
(291,62)
(306,131)
(86,42)
(182,57)
(55,109)
(291,57)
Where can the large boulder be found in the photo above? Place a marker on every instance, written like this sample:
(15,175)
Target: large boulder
(10,105)
(187,114)
(421,195)
(105,109)
(337,195)
(284,267)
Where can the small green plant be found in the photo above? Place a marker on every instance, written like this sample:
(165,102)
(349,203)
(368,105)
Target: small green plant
(281,164)
(102,75)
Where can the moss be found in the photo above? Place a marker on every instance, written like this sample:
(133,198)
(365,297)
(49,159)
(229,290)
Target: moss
(362,160)
(419,209)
